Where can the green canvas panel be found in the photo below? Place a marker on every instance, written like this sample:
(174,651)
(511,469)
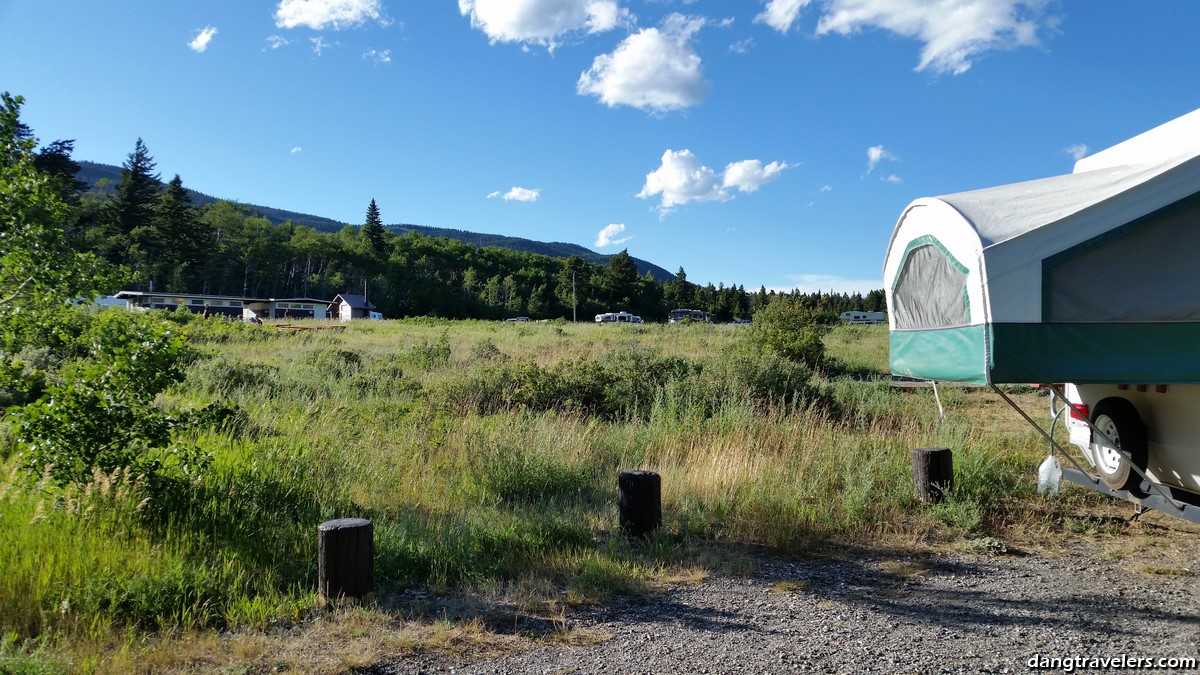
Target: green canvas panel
(945,355)
(1095,353)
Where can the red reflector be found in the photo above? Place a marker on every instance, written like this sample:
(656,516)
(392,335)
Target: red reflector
(1122,387)
(1079,412)
(1160,388)
(1141,387)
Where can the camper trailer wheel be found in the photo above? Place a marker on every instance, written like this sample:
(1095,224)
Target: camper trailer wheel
(1119,420)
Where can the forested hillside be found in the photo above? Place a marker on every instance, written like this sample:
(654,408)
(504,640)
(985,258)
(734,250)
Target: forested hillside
(174,239)
(92,174)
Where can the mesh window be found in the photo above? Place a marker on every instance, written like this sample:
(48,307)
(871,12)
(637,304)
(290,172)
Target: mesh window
(930,291)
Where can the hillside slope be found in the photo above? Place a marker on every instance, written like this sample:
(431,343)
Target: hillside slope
(92,172)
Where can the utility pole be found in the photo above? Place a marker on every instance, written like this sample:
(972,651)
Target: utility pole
(574,300)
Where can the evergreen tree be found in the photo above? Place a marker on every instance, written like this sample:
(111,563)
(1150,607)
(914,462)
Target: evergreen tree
(133,206)
(55,160)
(620,280)
(183,242)
(373,229)
(680,291)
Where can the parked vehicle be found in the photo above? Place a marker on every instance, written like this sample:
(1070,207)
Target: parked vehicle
(1088,278)
(680,315)
(520,319)
(864,317)
(618,317)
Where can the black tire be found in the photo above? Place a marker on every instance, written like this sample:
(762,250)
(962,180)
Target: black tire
(1129,434)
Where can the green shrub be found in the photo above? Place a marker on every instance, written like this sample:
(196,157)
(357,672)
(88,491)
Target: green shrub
(622,384)
(760,376)
(335,363)
(99,412)
(792,329)
(429,356)
(486,350)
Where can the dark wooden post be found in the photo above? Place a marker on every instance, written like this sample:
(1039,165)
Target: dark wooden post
(345,558)
(933,473)
(639,502)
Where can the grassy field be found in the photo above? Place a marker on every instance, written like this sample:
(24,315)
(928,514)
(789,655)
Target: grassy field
(486,454)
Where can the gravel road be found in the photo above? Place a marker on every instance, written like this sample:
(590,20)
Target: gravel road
(936,612)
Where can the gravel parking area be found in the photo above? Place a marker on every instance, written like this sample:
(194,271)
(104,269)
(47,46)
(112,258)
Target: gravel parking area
(942,612)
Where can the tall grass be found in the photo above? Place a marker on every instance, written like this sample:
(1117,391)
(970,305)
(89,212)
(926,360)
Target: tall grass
(488,453)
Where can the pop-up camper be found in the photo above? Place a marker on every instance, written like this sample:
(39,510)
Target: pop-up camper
(1090,278)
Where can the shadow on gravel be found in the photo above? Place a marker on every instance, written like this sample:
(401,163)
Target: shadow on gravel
(994,592)
(663,610)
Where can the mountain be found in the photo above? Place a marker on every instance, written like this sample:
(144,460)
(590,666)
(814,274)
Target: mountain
(92,173)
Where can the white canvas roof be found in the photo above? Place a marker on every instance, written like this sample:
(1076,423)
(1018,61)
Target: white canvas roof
(1112,242)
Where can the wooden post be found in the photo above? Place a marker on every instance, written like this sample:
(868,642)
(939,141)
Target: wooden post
(933,473)
(345,558)
(639,502)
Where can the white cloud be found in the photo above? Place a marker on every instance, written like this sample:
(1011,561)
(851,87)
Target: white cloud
(276,41)
(892,178)
(518,194)
(742,46)
(333,14)
(655,69)
(953,31)
(319,45)
(876,154)
(826,188)
(296,150)
(608,236)
(542,22)
(1077,151)
(681,178)
(203,37)
(384,56)
(781,14)
(814,283)
(749,174)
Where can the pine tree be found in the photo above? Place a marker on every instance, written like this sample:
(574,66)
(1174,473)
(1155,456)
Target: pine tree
(55,160)
(133,206)
(182,241)
(373,229)
(620,280)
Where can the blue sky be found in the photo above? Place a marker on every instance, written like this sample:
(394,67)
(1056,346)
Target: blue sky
(759,142)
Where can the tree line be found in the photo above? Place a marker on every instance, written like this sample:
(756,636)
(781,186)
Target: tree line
(169,245)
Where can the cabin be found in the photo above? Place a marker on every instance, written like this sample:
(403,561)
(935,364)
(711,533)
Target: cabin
(352,307)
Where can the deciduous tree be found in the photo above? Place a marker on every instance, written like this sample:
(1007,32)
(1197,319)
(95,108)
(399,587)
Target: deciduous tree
(37,265)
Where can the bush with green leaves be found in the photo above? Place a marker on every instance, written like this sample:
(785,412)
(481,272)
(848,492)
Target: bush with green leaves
(792,329)
(429,356)
(98,410)
(623,384)
(758,375)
